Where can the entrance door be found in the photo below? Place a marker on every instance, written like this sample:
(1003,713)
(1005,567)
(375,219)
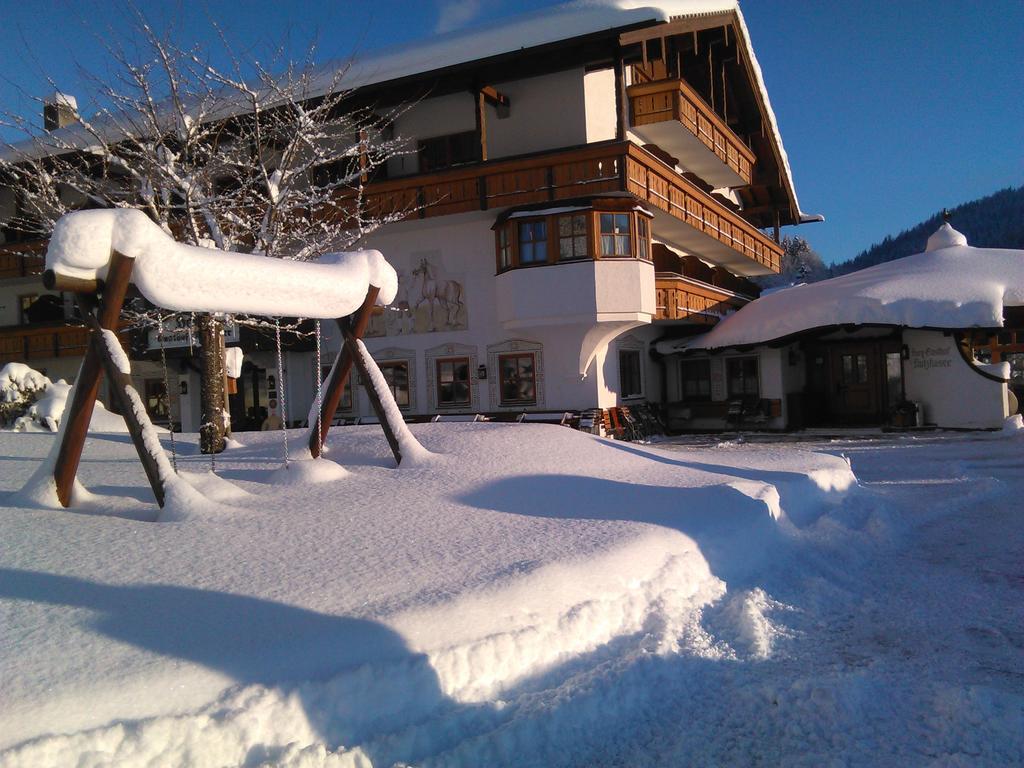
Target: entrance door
(248,405)
(856,396)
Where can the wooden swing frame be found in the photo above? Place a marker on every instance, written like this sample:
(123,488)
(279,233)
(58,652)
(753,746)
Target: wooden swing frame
(100,302)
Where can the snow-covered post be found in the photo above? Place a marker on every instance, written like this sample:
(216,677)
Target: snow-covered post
(132,410)
(88,382)
(341,371)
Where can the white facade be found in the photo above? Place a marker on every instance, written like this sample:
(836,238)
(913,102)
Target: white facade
(952,393)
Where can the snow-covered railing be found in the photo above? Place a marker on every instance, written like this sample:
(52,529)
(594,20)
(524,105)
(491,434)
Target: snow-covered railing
(97,254)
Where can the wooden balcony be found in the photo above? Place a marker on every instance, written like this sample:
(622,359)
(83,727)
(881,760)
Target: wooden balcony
(672,115)
(688,215)
(24,343)
(25,259)
(682,298)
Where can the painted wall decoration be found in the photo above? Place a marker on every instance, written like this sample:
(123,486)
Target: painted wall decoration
(429,299)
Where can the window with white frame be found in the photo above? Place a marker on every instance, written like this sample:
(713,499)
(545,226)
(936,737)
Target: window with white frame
(396,374)
(453,381)
(518,378)
(741,377)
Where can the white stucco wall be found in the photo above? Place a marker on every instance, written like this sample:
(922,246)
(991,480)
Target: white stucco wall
(556,110)
(546,112)
(599,102)
(951,393)
(576,292)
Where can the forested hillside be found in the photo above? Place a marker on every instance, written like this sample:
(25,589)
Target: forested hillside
(996,221)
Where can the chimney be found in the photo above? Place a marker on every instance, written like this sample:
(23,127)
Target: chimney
(59,111)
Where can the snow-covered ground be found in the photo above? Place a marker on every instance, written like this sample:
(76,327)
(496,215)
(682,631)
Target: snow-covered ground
(528,596)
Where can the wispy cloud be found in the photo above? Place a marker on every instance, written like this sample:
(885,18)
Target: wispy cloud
(455,14)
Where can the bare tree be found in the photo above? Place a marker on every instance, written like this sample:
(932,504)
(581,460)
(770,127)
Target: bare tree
(252,157)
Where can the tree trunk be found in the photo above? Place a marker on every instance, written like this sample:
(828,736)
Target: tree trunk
(213,402)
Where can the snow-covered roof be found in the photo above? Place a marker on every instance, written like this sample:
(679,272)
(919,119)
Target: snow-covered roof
(503,36)
(950,285)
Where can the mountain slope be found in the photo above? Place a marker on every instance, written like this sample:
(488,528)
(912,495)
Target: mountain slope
(996,221)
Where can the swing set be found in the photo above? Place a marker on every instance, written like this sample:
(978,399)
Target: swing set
(101,300)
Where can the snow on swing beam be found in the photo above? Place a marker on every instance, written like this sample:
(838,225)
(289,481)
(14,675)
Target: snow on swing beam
(97,254)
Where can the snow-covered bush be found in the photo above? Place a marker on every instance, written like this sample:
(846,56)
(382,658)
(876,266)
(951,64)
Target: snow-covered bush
(20,387)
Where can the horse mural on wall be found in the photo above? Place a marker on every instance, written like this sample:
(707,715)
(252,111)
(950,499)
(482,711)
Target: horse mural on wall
(436,293)
(428,300)
(399,318)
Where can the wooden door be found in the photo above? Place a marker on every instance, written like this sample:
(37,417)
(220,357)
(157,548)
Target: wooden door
(856,395)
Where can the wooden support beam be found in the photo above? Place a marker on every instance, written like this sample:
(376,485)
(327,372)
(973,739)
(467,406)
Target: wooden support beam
(495,98)
(352,343)
(340,373)
(363,160)
(57,282)
(79,412)
(621,112)
(127,402)
(481,124)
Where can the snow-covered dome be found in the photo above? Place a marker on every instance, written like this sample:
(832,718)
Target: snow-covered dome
(945,237)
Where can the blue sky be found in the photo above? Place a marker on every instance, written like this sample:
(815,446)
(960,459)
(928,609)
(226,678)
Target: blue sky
(890,110)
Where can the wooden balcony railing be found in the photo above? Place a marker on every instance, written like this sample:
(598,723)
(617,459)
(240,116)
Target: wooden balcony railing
(681,298)
(24,343)
(661,100)
(589,170)
(22,259)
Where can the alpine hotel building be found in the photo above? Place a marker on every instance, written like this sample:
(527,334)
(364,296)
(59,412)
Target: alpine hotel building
(579,183)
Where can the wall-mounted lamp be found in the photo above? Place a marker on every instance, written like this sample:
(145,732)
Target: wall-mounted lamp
(794,357)
(184,387)
(905,352)
(481,371)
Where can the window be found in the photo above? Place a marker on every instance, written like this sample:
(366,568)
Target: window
(157,405)
(643,237)
(397,376)
(695,380)
(346,394)
(518,379)
(504,249)
(533,242)
(615,234)
(444,151)
(1016,361)
(24,304)
(630,382)
(572,237)
(453,382)
(855,369)
(741,376)
(893,377)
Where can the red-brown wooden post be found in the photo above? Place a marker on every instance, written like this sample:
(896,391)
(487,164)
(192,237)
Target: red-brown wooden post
(352,344)
(340,372)
(79,412)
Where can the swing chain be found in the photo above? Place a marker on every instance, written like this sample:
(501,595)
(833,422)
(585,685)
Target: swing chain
(167,388)
(280,387)
(319,395)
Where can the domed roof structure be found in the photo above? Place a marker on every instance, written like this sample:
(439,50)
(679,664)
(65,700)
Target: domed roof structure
(949,286)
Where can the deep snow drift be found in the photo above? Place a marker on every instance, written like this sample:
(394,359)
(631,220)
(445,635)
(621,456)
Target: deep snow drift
(532,596)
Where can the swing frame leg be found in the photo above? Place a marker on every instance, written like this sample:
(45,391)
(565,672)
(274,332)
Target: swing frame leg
(341,371)
(86,389)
